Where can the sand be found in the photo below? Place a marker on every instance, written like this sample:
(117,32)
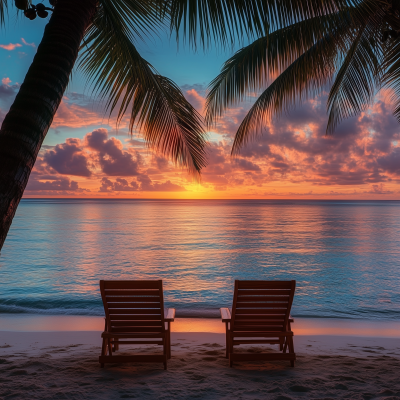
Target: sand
(64,365)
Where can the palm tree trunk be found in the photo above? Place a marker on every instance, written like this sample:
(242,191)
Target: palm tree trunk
(26,124)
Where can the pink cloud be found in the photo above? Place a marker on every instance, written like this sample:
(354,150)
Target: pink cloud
(10,46)
(195,99)
(28,44)
(52,185)
(75,116)
(68,158)
(113,160)
(119,185)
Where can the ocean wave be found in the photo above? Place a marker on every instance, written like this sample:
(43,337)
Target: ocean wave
(47,306)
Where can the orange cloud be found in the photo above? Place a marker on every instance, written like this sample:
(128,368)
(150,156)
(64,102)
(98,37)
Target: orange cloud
(10,46)
(292,158)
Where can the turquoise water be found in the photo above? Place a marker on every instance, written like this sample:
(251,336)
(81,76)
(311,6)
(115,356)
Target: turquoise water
(344,255)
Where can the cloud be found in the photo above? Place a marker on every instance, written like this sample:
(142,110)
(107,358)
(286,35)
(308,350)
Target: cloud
(148,186)
(72,115)
(120,185)
(7,91)
(292,157)
(68,159)
(10,46)
(28,44)
(143,184)
(51,185)
(113,160)
(379,189)
(195,99)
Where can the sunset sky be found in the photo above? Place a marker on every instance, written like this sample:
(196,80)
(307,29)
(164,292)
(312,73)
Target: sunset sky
(84,156)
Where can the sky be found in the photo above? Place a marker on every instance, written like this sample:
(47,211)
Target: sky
(84,155)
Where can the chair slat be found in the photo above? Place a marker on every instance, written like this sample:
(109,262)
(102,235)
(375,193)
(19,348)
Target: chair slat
(135,292)
(137,329)
(132,285)
(123,298)
(249,311)
(264,284)
(114,311)
(134,305)
(239,304)
(135,317)
(137,323)
(263,298)
(263,292)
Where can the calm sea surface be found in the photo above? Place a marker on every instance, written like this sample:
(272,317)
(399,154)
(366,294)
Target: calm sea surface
(344,255)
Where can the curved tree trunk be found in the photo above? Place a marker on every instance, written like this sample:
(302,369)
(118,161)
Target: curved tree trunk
(26,124)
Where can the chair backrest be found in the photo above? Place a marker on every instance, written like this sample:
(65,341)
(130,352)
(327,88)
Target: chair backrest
(262,306)
(133,306)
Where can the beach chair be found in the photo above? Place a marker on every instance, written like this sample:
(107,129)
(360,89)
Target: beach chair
(135,315)
(260,315)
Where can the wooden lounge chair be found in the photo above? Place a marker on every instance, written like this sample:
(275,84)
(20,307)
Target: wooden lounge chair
(260,315)
(135,311)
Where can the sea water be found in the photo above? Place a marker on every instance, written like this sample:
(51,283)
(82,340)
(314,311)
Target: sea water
(344,255)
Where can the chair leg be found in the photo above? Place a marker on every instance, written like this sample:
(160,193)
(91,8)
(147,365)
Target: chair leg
(168,336)
(230,351)
(285,346)
(116,345)
(165,351)
(109,347)
(281,342)
(291,349)
(103,350)
(227,342)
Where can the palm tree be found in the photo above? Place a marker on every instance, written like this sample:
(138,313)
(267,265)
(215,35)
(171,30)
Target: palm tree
(353,45)
(104,33)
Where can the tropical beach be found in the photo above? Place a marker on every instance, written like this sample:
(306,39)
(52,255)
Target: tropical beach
(199,199)
(347,342)
(63,364)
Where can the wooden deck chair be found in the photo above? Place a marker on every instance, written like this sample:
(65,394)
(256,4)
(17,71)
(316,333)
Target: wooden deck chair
(260,315)
(135,315)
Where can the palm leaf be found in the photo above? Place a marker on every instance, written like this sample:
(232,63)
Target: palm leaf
(391,75)
(304,77)
(168,122)
(357,78)
(361,71)
(3,11)
(251,67)
(210,21)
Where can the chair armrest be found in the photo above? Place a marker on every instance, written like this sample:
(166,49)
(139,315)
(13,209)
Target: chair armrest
(169,314)
(225,314)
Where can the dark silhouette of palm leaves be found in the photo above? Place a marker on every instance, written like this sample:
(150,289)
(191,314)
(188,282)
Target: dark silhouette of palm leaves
(344,43)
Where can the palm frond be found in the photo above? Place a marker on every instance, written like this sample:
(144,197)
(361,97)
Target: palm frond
(3,11)
(391,76)
(252,67)
(360,73)
(210,21)
(357,78)
(304,77)
(168,122)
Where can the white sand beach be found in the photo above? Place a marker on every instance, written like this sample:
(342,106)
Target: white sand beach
(64,365)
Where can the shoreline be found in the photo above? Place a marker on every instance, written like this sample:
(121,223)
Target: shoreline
(300,327)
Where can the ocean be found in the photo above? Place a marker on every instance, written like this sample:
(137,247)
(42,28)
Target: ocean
(344,255)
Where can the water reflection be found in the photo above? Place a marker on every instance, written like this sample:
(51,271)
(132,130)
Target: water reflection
(344,255)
